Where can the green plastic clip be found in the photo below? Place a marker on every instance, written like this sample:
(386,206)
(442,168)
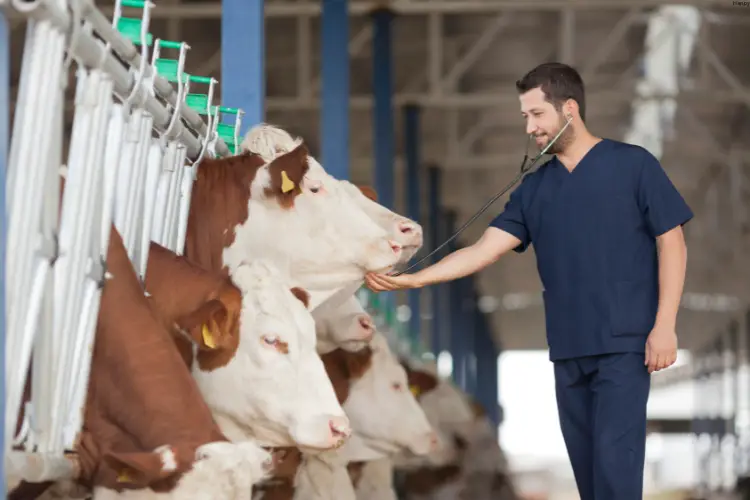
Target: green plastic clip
(130,28)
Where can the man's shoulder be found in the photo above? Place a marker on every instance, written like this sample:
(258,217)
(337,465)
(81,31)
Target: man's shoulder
(628,150)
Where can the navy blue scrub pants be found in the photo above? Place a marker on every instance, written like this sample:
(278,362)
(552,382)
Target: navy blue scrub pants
(601,402)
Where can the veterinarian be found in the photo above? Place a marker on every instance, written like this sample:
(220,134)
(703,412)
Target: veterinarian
(606,225)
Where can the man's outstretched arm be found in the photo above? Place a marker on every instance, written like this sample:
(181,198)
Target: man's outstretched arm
(487,250)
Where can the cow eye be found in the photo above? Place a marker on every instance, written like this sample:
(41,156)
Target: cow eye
(270,340)
(397,386)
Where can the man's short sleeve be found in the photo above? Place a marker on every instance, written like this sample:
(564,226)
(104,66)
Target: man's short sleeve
(512,220)
(661,203)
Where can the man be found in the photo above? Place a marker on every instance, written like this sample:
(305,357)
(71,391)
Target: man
(606,224)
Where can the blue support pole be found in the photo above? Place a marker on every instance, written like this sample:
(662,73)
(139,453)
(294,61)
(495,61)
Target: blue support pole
(469,305)
(487,370)
(382,87)
(456,336)
(334,111)
(434,188)
(413,203)
(4,134)
(243,53)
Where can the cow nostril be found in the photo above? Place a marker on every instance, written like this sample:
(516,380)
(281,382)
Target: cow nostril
(405,227)
(396,247)
(365,323)
(338,430)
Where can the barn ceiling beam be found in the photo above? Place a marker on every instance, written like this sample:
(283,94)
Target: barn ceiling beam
(475,52)
(205,10)
(478,101)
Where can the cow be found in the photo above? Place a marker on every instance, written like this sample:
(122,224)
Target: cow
(341,367)
(399,423)
(147,431)
(243,207)
(274,389)
(270,142)
(261,375)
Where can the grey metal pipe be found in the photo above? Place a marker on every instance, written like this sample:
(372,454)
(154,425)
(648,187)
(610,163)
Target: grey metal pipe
(90,52)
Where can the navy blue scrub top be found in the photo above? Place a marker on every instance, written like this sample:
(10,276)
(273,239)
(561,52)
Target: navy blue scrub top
(594,233)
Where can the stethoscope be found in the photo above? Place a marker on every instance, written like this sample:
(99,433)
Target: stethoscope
(523,171)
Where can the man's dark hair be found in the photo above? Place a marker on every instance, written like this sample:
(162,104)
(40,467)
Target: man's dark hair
(559,82)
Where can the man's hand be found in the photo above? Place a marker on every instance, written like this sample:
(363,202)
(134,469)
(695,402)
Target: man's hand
(382,282)
(661,348)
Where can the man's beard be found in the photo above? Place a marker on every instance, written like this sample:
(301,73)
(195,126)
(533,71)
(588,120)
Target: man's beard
(562,142)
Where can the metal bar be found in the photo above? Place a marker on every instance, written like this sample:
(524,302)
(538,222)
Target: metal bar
(90,52)
(567,36)
(611,42)
(207,10)
(478,48)
(382,74)
(507,99)
(4,134)
(355,48)
(334,115)
(243,80)
(413,202)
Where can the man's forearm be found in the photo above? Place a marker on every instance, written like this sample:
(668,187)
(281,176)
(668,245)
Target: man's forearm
(672,266)
(458,264)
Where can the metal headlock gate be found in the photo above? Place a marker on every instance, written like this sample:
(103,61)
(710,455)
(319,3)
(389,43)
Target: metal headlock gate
(138,135)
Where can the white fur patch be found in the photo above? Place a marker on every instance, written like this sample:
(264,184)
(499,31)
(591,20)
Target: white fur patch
(168,460)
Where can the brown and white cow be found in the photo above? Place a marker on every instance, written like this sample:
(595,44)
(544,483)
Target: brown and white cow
(243,208)
(271,143)
(147,432)
(265,381)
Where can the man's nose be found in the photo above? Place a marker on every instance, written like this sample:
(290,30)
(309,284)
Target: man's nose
(530,128)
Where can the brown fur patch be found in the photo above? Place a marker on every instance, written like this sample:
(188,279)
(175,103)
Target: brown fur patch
(301,295)
(369,192)
(294,165)
(136,366)
(423,381)
(188,297)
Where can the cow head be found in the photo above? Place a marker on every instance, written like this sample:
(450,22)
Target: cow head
(347,326)
(399,422)
(275,388)
(329,240)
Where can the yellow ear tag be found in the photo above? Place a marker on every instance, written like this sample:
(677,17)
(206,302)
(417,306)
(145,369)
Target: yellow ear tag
(208,338)
(123,477)
(414,390)
(286,183)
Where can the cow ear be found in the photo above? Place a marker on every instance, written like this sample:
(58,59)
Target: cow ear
(287,172)
(137,470)
(208,326)
(369,192)
(301,295)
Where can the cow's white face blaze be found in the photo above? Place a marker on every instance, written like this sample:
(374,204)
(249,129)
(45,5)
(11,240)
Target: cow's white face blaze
(346,326)
(327,241)
(399,422)
(275,389)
